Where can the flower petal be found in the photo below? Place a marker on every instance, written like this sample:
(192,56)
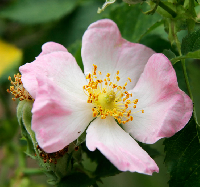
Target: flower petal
(103,46)
(50,47)
(60,67)
(167,109)
(59,117)
(118,146)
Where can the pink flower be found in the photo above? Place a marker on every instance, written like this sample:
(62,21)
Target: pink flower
(122,81)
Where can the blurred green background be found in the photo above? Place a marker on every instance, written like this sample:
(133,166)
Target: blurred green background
(25,25)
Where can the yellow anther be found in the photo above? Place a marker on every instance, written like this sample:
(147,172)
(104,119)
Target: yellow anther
(119,87)
(17,90)
(118,78)
(118,72)
(120,114)
(108,75)
(12,88)
(142,111)
(88,76)
(107,100)
(95,114)
(128,102)
(135,101)
(95,67)
(114,86)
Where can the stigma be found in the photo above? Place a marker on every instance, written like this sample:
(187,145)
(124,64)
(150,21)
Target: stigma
(109,98)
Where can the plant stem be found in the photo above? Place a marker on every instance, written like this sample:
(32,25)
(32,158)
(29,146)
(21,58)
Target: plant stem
(32,171)
(165,7)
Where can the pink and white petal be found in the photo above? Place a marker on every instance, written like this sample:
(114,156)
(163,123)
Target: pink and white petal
(60,67)
(50,47)
(59,117)
(118,146)
(167,109)
(103,46)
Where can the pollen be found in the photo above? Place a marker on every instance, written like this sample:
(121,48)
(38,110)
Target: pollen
(109,98)
(17,89)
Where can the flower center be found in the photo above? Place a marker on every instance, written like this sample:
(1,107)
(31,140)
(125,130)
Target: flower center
(109,98)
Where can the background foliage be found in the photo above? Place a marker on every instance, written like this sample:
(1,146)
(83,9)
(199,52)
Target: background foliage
(27,24)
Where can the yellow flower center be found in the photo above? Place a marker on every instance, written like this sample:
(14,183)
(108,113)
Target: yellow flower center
(109,98)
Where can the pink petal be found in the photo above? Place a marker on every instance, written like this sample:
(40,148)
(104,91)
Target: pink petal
(59,117)
(50,47)
(167,109)
(103,46)
(118,147)
(58,66)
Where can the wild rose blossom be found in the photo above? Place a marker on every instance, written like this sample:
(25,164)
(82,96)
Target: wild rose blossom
(122,82)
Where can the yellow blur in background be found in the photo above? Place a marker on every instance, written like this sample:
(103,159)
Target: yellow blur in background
(10,56)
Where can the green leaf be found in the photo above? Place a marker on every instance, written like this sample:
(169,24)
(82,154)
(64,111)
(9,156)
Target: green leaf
(169,54)
(81,138)
(77,179)
(75,50)
(151,151)
(183,157)
(77,23)
(190,47)
(101,160)
(132,22)
(195,55)
(151,28)
(155,42)
(191,42)
(37,11)
(191,10)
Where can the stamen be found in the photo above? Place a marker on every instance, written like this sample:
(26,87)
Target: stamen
(110,98)
(18,90)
